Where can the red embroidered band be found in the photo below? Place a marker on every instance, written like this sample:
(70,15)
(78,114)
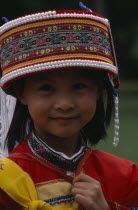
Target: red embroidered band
(55,40)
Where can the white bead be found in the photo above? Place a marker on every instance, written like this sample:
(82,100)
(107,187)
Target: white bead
(46,15)
(57,64)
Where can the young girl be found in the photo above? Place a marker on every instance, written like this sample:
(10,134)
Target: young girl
(61,67)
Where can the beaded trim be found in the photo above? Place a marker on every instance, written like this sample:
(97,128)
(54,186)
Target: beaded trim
(50,15)
(56,65)
(55,40)
(41,150)
(60,200)
(49,23)
(116,122)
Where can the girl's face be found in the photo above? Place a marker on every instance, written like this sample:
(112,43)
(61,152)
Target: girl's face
(60,103)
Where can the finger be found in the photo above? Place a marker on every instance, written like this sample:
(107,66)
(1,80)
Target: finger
(84,178)
(93,191)
(76,191)
(88,193)
(83,185)
(85,202)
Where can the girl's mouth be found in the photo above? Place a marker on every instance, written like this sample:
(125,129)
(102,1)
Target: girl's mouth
(64,119)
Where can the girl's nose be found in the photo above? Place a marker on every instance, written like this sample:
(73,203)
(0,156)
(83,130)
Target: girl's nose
(64,103)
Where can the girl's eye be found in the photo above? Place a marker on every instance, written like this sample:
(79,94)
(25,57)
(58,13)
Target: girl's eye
(46,88)
(80,86)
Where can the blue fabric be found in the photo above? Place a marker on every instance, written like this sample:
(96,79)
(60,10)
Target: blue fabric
(112,87)
(5,20)
(60,199)
(82,6)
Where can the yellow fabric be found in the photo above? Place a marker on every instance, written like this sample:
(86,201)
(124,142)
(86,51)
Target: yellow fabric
(52,22)
(20,187)
(52,189)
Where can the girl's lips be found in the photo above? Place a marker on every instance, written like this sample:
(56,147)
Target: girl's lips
(63,119)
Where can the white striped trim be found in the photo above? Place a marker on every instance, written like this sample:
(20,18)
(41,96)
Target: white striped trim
(48,15)
(57,65)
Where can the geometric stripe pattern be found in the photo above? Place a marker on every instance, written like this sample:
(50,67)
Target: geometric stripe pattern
(41,38)
(61,199)
(61,64)
(40,149)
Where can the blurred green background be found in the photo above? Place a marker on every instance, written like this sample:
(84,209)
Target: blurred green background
(128,108)
(123,18)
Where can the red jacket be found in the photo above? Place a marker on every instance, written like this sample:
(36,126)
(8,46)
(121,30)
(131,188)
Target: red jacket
(118,177)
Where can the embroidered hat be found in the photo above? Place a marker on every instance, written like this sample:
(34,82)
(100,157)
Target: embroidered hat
(55,40)
(51,41)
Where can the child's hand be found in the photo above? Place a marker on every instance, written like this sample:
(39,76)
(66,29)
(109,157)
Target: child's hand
(88,193)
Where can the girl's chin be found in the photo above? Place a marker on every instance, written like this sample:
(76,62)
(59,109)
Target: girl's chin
(57,135)
(62,135)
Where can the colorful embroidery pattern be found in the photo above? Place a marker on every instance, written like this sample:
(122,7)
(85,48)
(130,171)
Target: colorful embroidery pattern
(53,29)
(41,150)
(60,200)
(55,40)
(52,40)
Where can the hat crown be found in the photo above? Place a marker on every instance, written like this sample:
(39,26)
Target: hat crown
(62,39)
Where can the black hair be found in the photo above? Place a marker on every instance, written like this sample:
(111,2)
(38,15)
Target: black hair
(95,130)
